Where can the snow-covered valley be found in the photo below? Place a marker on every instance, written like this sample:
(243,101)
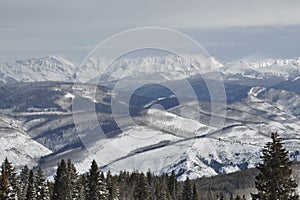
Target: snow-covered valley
(38,126)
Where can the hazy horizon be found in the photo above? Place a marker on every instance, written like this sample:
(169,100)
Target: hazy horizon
(230,31)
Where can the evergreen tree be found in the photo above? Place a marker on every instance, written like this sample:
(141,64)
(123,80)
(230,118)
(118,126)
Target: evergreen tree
(23,182)
(274,180)
(141,188)
(50,187)
(187,190)
(151,185)
(160,193)
(12,179)
(82,187)
(96,188)
(113,193)
(103,191)
(60,188)
(41,187)
(195,192)
(4,187)
(93,182)
(72,181)
(172,185)
(30,194)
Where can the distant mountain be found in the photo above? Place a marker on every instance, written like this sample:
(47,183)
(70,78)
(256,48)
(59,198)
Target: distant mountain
(269,72)
(262,98)
(165,68)
(49,68)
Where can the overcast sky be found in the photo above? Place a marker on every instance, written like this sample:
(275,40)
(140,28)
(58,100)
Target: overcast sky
(229,30)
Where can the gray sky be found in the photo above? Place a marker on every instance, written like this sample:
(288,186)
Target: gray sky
(229,30)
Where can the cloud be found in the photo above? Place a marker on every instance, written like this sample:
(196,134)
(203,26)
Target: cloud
(35,26)
(232,13)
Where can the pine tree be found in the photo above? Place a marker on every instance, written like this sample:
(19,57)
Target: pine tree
(23,182)
(72,181)
(187,190)
(274,180)
(82,182)
(151,185)
(60,188)
(41,187)
(50,187)
(30,194)
(113,193)
(103,191)
(96,188)
(4,187)
(93,182)
(172,185)
(141,188)
(12,179)
(160,193)
(195,192)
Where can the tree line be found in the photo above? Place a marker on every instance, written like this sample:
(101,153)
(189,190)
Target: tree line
(274,181)
(93,185)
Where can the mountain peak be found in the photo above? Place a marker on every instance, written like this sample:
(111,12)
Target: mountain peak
(48,68)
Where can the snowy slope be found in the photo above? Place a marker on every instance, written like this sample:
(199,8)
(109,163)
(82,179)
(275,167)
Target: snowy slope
(169,142)
(17,145)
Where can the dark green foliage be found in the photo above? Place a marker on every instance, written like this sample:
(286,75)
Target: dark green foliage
(124,186)
(12,178)
(173,185)
(65,182)
(96,188)
(9,182)
(4,184)
(141,188)
(195,192)
(23,182)
(72,181)
(41,186)
(31,194)
(187,190)
(60,182)
(93,180)
(113,192)
(275,178)
(81,186)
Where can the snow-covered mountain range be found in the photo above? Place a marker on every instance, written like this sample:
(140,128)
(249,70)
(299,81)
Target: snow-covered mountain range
(51,68)
(262,96)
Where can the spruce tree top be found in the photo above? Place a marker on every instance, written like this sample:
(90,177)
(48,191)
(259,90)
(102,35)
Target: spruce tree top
(274,180)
